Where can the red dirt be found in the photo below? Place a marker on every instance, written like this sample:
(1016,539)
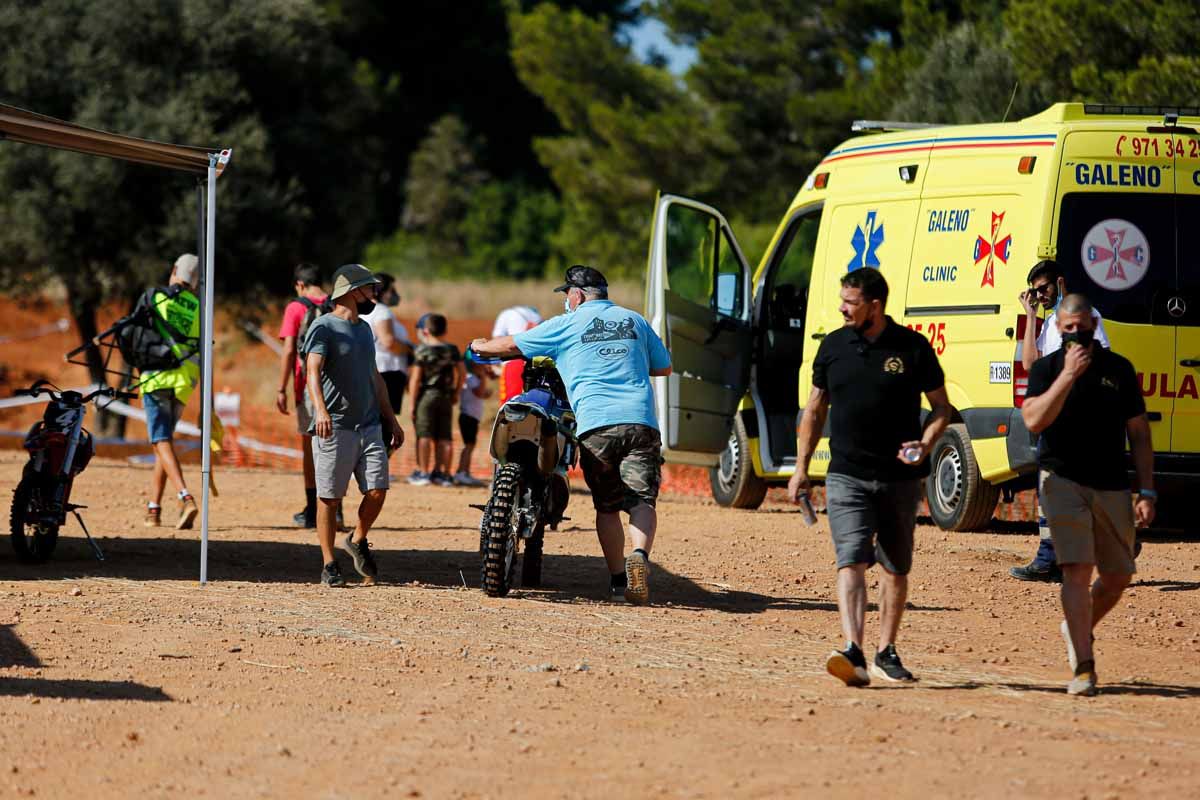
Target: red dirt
(128,679)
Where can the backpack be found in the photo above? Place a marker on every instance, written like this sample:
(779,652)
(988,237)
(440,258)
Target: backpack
(311,312)
(145,339)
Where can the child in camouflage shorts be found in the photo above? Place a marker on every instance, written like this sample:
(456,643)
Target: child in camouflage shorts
(434,382)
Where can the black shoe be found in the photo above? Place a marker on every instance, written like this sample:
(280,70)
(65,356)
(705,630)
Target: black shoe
(617,586)
(305,519)
(331,575)
(364,562)
(849,666)
(1033,571)
(887,666)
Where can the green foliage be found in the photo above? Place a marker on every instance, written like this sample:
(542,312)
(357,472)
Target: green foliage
(442,177)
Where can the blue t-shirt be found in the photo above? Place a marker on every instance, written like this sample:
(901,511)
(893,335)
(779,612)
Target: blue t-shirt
(604,354)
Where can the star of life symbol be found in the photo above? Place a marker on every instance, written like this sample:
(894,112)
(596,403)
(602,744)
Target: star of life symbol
(1115,254)
(866,241)
(992,250)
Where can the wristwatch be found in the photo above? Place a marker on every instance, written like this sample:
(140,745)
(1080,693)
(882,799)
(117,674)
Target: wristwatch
(1149,494)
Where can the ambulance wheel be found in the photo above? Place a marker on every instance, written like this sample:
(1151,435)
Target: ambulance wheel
(959,498)
(734,484)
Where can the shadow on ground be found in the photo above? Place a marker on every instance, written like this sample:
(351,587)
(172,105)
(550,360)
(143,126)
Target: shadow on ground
(1129,688)
(15,653)
(566,578)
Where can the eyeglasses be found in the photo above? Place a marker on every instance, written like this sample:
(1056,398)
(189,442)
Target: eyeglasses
(1045,288)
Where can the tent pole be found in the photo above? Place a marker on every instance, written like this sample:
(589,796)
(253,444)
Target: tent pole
(206,364)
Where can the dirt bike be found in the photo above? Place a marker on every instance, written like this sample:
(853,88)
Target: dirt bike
(59,450)
(533,443)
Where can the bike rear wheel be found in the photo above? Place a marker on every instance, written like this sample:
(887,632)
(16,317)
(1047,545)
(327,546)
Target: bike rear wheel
(33,542)
(501,523)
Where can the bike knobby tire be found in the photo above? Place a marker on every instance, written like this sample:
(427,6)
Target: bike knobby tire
(33,545)
(500,525)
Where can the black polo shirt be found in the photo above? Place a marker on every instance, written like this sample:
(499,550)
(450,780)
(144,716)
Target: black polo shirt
(875,393)
(1086,442)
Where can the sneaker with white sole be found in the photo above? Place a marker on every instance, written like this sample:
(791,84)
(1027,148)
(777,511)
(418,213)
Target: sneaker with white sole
(419,478)
(887,666)
(849,666)
(364,562)
(1084,682)
(637,574)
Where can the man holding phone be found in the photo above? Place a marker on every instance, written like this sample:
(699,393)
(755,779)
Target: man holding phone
(1047,287)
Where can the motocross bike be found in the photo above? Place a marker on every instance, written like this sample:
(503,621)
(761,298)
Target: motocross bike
(533,443)
(59,449)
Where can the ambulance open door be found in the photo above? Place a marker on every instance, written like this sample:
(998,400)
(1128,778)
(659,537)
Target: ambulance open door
(698,301)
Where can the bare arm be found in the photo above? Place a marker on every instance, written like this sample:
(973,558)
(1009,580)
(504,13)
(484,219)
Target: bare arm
(287,367)
(658,373)
(939,417)
(1029,350)
(812,423)
(414,385)
(460,378)
(501,347)
(387,338)
(323,425)
(1140,446)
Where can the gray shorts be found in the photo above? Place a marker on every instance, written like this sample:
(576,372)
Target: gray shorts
(360,453)
(872,521)
(304,414)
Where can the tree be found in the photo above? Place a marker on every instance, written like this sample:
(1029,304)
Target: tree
(442,176)
(262,77)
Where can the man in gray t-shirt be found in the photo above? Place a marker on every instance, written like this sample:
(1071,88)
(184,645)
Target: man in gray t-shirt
(350,410)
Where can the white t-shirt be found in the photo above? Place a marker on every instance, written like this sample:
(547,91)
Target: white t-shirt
(514,320)
(468,402)
(1050,340)
(385,360)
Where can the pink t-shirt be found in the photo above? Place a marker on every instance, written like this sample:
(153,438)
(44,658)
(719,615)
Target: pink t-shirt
(293,315)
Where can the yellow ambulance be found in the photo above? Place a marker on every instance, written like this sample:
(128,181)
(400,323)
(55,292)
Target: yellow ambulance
(954,217)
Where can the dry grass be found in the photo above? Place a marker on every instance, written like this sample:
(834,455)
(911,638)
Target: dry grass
(483,300)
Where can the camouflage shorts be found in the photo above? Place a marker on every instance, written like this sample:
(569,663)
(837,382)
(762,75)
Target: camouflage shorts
(622,465)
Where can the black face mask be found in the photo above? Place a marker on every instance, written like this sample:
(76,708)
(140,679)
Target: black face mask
(364,306)
(1079,337)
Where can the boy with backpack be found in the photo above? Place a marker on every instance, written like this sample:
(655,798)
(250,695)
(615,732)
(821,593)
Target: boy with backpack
(433,383)
(174,321)
(310,303)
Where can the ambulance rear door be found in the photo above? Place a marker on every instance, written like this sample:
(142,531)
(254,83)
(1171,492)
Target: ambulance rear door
(698,301)
(1184,307)
(1115,240)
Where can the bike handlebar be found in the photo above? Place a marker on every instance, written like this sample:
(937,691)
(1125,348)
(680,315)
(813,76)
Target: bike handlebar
(45,387)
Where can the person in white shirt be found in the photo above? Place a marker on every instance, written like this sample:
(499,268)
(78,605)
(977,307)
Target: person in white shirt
(470,413)
(514,320)
(392,346)
(1046,288)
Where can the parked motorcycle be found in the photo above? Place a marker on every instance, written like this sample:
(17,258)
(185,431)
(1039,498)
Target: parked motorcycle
(533,443)
(59,450)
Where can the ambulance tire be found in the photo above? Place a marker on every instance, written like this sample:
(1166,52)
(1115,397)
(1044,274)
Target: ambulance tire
(959,498)
(733,481)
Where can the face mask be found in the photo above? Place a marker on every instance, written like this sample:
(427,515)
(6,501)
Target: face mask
(364,306)
(1080,337)
(567,305)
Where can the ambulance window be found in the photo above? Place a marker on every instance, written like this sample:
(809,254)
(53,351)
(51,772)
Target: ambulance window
(1119,250)
(792,271)
(730,283)
(691,253)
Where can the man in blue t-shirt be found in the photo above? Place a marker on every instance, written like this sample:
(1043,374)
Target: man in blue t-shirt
(606,355)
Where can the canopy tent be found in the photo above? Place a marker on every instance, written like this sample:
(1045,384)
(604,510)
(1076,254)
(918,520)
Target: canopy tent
(27,127)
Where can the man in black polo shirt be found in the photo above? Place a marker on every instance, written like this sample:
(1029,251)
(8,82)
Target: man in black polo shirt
(1084,401)
(873,372)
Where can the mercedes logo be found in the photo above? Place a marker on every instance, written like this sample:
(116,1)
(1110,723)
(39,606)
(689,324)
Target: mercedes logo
(1176,307)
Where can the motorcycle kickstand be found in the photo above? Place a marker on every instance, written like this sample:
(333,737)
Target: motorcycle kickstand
(95,547)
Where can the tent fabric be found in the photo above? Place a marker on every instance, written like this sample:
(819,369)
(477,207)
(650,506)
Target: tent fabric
(19,125)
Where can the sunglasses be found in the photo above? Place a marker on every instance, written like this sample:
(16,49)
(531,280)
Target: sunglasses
(1045,288)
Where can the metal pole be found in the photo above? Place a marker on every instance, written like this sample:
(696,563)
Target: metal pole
(206,365)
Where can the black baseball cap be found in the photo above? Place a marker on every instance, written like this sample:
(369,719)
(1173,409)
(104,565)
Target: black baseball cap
(583,277)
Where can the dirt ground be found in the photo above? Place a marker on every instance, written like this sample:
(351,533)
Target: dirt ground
(128,679)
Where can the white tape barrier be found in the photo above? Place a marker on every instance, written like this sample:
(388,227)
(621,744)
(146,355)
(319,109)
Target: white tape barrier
(126,410)
(60,326)
(262,336)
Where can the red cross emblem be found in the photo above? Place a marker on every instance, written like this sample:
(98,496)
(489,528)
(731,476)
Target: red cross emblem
(1116,256)
(992,250)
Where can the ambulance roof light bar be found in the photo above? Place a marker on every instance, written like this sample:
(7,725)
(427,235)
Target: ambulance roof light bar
(1141,111)
(884,126)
